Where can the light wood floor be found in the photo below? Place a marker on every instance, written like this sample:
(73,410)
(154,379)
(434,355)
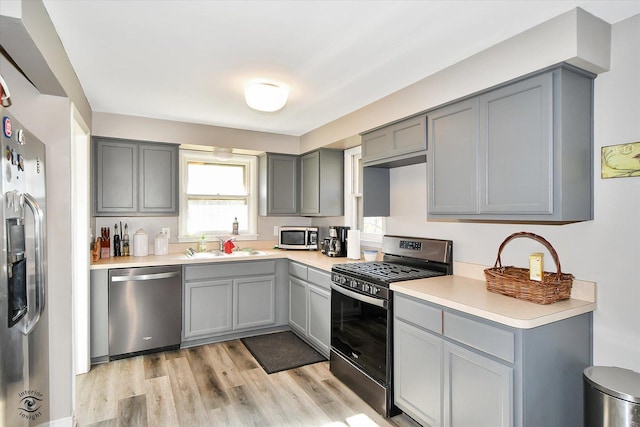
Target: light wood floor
(218,385)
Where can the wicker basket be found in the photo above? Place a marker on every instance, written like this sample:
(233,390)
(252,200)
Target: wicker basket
(515,282)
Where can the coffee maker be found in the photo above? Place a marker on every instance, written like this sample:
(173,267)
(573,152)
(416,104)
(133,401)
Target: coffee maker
(337,245)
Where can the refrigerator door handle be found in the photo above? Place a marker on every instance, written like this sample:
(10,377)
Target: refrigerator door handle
(38,217)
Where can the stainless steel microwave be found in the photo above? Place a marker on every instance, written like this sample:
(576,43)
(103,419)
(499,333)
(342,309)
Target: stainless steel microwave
(305,238)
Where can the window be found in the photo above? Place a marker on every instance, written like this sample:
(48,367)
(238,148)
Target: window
(215,192)
(371,228)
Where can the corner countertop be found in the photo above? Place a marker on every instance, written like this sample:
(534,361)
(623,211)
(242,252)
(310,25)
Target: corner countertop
(466,291)
(471,296)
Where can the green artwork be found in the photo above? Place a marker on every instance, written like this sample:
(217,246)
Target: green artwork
(621,160)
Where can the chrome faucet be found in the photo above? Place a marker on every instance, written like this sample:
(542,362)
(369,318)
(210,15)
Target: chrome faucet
(222,241)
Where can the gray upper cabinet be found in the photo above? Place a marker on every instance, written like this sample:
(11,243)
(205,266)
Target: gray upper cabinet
(397,144)
(278,187)
(134,178)
(453,158)
(157,179)
(521,152)
(115,179)
(322,183)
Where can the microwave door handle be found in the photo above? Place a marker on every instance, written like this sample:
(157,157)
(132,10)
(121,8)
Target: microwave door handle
(38,218)
(359,297)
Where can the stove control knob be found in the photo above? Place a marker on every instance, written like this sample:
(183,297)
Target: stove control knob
(365,287)
(353,283)
(374,290)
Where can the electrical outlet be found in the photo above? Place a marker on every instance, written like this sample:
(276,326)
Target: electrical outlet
(166,231)
(276,230)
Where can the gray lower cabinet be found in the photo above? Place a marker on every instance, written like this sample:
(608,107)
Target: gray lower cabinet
(310,305)
(522,151)
(208,304)
(298,309)
(418,373)
(278,184)
(453,369)
(99,315)
(134,178)
(478,391)
(322,183)
(227,298)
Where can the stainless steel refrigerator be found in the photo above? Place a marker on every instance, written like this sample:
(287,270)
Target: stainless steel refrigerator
(24,328)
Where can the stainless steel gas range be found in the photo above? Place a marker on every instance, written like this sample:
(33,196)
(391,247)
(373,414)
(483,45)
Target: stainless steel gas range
(362,313)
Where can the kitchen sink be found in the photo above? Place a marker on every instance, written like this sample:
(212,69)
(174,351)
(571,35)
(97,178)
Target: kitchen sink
(217,254)
(248,253)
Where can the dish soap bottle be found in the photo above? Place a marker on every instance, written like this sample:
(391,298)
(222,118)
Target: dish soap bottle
(203,243)
(235,226)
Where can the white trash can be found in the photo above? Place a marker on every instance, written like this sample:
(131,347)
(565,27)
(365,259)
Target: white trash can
(611,397)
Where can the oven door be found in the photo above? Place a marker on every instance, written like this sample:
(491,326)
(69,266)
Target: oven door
(359,330)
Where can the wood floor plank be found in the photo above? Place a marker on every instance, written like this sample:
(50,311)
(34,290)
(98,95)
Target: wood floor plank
(218,385)
(103,403)
(189,407)
(302,407)
(268,396)
(129,378)
(106,423)
(132,411)
(161,408)
(241,357)
(309,385)
(209,385)
(154,365)
(223,365)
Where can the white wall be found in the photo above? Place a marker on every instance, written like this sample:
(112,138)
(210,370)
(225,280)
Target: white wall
(605,250)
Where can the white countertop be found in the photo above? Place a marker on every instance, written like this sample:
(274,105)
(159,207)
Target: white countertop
(466,291)
(312,258)
(471,296)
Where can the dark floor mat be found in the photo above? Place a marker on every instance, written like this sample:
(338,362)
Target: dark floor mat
(281,351)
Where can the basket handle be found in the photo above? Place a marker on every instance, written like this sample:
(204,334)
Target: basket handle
(535,237)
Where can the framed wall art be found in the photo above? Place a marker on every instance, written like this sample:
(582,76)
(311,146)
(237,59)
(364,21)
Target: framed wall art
(621,161)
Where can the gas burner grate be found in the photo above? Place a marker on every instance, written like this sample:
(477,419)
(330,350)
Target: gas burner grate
(387,272)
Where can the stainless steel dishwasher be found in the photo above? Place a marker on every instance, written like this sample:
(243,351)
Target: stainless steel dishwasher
(145,306)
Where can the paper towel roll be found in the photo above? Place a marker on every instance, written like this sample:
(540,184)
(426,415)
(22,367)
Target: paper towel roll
(353,244)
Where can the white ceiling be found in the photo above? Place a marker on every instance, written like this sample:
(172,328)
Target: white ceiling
(188,60)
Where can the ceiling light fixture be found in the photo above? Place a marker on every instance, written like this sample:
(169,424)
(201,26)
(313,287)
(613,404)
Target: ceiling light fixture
(266,96)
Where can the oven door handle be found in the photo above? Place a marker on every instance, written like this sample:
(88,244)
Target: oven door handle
(359,297)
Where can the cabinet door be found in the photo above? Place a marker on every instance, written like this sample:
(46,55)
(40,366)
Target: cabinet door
(377,145)
(115,179)
(298,305)
(453,159)
(418,373)
(158,179)
(409,135)
(310,183)
(319,326)
(254,302)
(282,189)
(516,125)
(477,390)
(400,138)
(207,308)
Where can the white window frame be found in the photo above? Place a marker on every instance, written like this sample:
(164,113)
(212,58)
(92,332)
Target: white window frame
(251,163)
(353,195)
